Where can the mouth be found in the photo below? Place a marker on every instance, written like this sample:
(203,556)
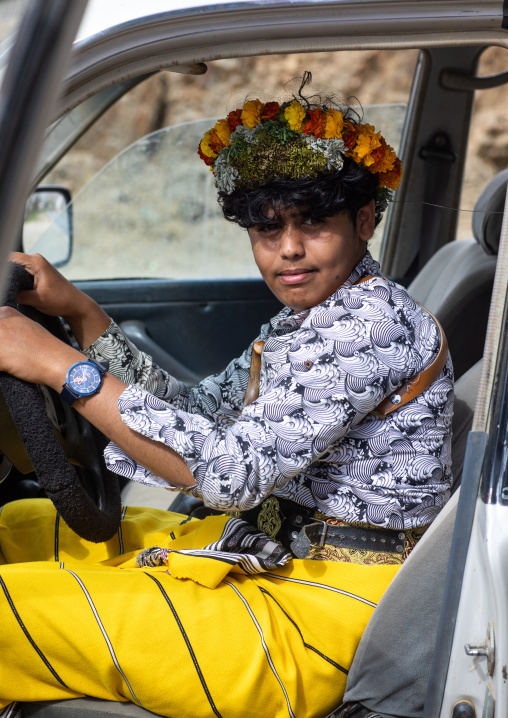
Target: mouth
(295,275)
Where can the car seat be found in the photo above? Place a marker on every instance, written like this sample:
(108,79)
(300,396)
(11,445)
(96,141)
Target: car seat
(456,283)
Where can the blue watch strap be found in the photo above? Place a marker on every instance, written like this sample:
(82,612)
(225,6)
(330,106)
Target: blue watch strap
(68,395)
(102,366)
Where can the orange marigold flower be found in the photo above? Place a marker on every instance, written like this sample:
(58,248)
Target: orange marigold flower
(234,119)
(384,158)
(350,133)
(215,142)
(207,160)
(392,179)
(316,123)
(206,145)
(270,110)
(294,114)
(334,124)
(366,142)
(223,131)
(251,113)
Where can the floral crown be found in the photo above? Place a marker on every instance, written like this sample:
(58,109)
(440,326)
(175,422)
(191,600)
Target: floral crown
(258,142)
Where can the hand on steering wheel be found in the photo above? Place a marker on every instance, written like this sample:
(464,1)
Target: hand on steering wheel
(55,437)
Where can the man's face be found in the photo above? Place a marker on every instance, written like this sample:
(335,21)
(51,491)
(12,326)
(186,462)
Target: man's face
(304,260)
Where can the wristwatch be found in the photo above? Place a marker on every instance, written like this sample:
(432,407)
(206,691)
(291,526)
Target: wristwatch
(83,379)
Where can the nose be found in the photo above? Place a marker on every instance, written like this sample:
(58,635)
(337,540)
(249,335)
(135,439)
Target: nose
(291,242)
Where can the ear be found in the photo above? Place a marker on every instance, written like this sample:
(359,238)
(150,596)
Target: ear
(366,221)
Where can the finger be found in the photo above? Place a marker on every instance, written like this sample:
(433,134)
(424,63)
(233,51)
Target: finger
(33,265)
(19,257)
(28,296)
(26,261)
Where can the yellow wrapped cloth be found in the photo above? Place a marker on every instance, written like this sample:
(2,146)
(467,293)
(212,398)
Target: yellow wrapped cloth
(197,636)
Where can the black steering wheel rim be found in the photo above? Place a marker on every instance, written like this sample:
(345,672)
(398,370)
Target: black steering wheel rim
(53,469)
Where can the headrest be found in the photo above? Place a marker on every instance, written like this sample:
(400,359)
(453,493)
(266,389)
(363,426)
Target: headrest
(488,215)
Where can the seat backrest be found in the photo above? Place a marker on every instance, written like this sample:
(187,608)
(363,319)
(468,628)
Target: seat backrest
(456,283)
(466,391)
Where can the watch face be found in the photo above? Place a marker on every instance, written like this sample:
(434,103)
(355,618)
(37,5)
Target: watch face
(84,378)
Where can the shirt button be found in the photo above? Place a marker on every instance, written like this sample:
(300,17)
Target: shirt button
(308,364)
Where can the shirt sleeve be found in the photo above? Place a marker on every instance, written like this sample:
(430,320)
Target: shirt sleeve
(339,367)
(218,397)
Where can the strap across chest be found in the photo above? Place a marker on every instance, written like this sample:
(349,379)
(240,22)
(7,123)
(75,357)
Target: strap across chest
(405,393)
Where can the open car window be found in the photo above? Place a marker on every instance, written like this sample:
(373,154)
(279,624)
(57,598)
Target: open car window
(152,212)
(144,204)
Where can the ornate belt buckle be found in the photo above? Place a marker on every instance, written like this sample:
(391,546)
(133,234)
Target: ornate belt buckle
(302,543)
(270,517)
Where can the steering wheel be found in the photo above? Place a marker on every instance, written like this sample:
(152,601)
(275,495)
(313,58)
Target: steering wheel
(63,449)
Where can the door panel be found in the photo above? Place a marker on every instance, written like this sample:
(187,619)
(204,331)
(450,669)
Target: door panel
(202,324)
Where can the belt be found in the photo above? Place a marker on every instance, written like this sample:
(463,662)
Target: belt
(319,532)
(297,529)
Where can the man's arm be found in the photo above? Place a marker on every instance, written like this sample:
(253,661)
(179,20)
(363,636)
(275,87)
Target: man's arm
(100,338)
(31,353)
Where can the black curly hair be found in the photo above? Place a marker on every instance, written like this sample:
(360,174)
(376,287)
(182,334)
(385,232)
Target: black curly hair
(328,194)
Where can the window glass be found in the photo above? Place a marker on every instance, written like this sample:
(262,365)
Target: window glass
(488,139)
(151,209)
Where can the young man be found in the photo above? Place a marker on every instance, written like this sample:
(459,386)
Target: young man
(330,459)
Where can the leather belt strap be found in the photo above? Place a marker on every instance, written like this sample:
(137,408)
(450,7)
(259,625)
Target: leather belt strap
(296,528)
(316,534)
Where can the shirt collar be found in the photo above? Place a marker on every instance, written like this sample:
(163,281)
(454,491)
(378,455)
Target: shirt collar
(364,268)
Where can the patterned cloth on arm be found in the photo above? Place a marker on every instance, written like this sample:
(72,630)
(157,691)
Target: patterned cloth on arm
(309,437)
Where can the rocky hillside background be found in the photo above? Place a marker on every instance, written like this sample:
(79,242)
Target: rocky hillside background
(373,77)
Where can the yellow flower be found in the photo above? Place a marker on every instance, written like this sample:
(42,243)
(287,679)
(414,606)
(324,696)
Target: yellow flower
(384,158)
(223,131)
(334,124)
(367,141)
(204,145)
(294,114)
(392,178)
(251,113)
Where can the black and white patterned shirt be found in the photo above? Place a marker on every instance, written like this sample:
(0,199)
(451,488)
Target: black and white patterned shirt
(309,437)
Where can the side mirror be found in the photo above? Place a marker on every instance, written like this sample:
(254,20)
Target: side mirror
(48,225)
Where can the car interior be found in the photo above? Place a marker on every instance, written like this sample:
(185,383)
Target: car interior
(193,324)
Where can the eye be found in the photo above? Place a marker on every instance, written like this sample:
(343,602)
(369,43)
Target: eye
(313,221)
(266,228)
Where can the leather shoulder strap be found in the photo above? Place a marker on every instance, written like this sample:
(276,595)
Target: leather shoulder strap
(252,391)
(418,384)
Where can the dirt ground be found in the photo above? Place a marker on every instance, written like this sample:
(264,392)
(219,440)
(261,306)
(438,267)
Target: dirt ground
(373,77)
